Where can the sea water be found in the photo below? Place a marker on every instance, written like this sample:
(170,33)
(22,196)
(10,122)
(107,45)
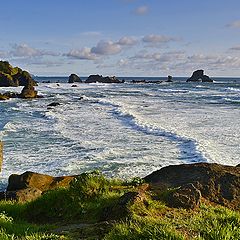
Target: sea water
(124,130)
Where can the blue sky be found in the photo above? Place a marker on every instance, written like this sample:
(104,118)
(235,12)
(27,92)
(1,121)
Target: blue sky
(122,37)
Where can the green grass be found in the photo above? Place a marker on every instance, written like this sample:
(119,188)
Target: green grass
(91,194)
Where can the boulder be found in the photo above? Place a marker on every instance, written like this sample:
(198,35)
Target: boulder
(74,78)
(28,91)
(187,196)
(3,97)
(217,183)
(101,79)
(198,76)
(23,195)
(37,181)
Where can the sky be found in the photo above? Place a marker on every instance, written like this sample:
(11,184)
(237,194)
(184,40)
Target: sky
(122,37)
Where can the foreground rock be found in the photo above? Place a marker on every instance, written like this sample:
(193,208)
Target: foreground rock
(28,91)
(217,183)
(198,76)
(101,79)
(74,78)
(14,76)
(29,186)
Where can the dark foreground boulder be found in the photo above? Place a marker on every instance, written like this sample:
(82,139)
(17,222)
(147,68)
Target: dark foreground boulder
(101,79)
(74,78)
(187,196)
(217,183)
(198,76)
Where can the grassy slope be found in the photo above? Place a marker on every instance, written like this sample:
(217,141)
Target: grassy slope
(77,212)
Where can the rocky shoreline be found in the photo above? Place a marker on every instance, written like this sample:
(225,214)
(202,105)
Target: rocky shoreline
(213,182)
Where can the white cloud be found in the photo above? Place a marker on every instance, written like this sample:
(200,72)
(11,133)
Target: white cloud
(234,24)
(82,54)
(156,39)
(106,48)
(235,48)
(142,10)
(23,50)
(2,54)
(127,41)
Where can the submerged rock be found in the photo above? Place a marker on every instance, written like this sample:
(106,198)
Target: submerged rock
(74,78)
(198,76)
(217,183)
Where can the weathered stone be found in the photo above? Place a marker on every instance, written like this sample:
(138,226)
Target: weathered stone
(169,78)
(187,196)
(23,195)
(36,180)
(198,76)
(217,183)
(28,91)
(74,78)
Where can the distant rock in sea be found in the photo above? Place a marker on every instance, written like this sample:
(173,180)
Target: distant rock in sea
(74,78)
(101,79)
(198,76)
(169,79)
(14,76)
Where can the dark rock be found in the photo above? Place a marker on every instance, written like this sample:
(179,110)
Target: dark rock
(74,78)
(145,81)
(38,181)
(23,195)
(238,165)
(187,196)
(198,76)
(54,104)
(3,97)
(169,78)
(14,76)
(217,183)
(28,91)
(121,208)
(74,85)
(101,79)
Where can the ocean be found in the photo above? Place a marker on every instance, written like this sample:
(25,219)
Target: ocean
(124,130)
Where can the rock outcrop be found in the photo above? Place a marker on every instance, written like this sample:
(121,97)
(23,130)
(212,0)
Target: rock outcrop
(198,76)
(169,79)
(101,79)
(74,78)
(28,91)
(14,76)
(217,183)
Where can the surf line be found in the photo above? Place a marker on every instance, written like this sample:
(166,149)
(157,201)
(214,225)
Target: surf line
(188,147)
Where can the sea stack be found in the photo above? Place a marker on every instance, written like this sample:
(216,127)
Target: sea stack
(101,79)
(28,91)
(74,78)
(198,76)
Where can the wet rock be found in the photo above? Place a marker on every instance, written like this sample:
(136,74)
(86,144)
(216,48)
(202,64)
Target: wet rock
(169,79)
(217,183)
(54,104)
(74,85)
(187,196)
(74,78)
(198,76)
(101,79)
(28,91)
(3,97)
